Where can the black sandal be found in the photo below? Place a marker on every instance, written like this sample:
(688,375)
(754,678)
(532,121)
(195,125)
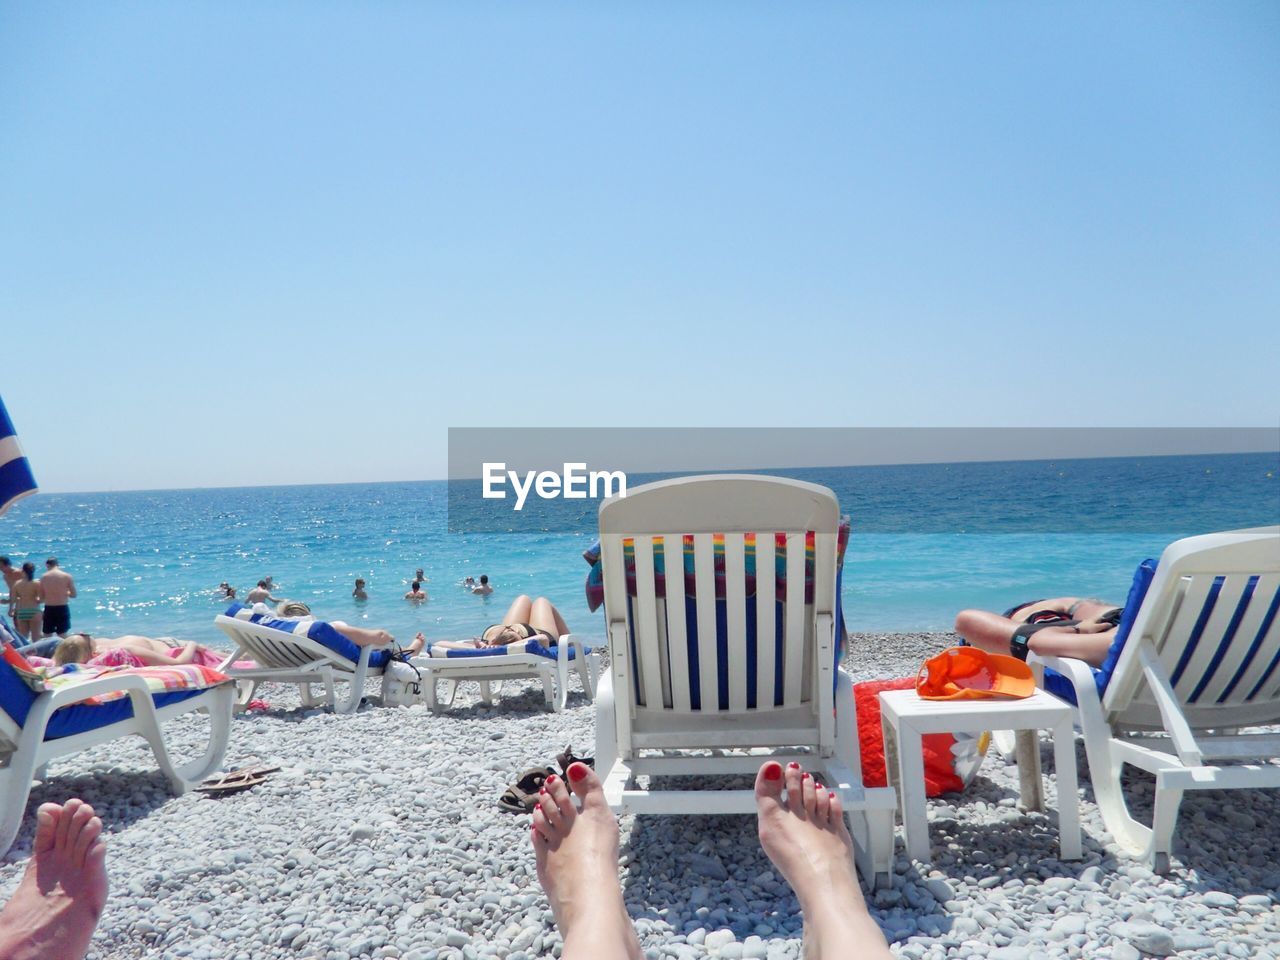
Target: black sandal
(522,796)
(567,759)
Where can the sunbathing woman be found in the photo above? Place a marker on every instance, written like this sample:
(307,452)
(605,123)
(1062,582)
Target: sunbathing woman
(1063,627)
(525,620)
(805,836)
(132,651)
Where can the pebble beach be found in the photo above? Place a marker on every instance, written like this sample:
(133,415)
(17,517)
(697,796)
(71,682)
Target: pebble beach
(380,838)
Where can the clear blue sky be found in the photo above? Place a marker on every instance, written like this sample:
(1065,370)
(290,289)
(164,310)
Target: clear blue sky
(293,242)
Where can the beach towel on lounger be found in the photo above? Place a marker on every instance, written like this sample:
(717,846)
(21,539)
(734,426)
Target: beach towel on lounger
(21,684)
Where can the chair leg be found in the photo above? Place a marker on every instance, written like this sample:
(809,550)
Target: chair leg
(606,731)
(355,693)
(220,710)
(429,690)
(245,689)
(1164,817)
(15,790)
(486,691)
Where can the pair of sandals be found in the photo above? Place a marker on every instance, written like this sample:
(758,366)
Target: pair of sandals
(522,796)
(236,780)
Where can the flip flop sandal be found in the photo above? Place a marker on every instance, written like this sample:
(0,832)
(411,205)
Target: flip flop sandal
(567,759)
(522,796)
(236,780)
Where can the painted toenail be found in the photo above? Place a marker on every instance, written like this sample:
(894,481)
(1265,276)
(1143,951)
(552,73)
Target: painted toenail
(831,796)
(577,771)
(793,766)
(773,771)
(551,779)
(804,776)
(537,806)
(817,785)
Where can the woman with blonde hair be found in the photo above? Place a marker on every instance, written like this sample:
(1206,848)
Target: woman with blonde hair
(131,651)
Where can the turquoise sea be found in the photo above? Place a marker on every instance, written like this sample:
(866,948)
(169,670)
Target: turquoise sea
(927,541)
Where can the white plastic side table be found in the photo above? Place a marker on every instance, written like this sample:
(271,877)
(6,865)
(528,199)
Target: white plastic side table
(906,718)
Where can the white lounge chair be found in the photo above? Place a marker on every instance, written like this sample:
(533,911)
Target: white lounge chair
(303,652)
(525,660)
(1196,658)
(703,692)
(36,727)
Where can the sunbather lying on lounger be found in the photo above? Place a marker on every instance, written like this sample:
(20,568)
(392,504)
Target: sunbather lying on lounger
(525,620)
(1063,627)
(804,835)
(132,651)
(360,636)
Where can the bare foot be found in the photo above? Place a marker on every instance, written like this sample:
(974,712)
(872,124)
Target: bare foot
(807,839)
(55,909)
(415,648)
(577,857)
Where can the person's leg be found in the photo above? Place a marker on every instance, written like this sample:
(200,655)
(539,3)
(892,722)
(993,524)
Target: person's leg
(56,907)
(519,611)
(544,616)
(361,636)
(808,841)
(419,642)
(987,631)
(577,857)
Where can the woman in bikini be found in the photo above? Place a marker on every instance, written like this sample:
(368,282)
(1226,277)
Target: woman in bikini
(527,619)
(27,594)
(1063,627)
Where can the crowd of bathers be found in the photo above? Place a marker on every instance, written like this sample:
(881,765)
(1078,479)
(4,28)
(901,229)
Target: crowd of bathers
(41,607)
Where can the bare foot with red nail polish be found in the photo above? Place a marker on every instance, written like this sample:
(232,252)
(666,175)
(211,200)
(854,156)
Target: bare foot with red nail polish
(577,857)
(807,839)
(53,913)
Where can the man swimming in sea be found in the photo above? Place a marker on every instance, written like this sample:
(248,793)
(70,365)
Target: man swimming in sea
(260,594)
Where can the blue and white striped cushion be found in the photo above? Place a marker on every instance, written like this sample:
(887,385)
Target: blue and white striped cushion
(322,633)
(511,649)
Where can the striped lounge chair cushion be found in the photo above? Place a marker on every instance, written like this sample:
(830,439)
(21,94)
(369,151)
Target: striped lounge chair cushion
(511,649)
(21,684)
(322,633)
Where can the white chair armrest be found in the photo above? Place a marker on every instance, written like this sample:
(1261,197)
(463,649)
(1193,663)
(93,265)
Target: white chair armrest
(91,688)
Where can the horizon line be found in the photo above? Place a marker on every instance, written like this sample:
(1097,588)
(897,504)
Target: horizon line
(850,466)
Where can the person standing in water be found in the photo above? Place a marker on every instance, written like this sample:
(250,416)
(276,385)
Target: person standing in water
(26,596)
(359,592)
(59,589)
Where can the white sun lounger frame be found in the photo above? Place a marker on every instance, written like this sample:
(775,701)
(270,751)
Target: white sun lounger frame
(486,671)
(284,657)
(657,731)
(24,752)
(1144,718)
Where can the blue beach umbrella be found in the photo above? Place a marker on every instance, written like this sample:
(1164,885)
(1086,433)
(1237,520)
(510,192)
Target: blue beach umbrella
(16,479)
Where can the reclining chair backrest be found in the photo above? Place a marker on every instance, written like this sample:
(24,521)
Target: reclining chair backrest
(764,640)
